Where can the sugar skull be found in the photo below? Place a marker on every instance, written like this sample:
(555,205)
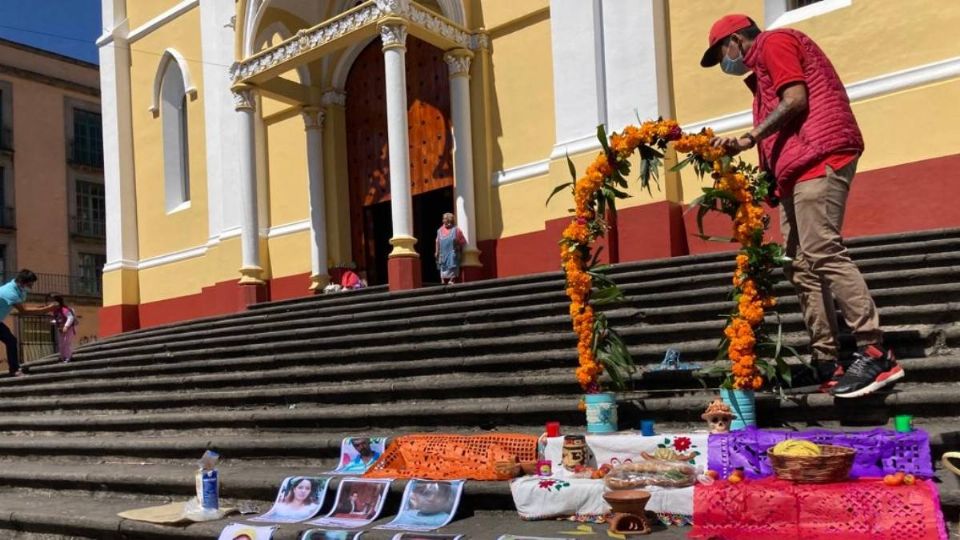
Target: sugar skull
(718,416)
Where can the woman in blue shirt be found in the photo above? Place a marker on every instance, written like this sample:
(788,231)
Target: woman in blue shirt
(13,295)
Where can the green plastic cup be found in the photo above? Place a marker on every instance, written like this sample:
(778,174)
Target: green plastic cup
(903,423)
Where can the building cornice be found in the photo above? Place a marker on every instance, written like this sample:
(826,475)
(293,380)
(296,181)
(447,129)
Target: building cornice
(49,81)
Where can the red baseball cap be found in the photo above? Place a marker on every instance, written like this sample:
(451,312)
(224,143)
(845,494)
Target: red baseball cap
(727,25)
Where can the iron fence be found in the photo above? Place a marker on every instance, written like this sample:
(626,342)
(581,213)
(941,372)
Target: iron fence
(77,286)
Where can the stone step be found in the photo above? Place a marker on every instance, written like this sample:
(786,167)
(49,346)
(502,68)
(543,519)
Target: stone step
(180,395)
(552,301)
(663,325)
(929,400)
(672,307)
(503,287)
(489,354)
(29,515)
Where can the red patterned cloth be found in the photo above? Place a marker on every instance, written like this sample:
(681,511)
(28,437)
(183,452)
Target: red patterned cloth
(772,509)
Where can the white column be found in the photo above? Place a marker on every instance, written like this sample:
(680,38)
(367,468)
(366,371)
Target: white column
(459,63)
(245,102)
(313,124)
(576,27)
(118,171)
(394,37)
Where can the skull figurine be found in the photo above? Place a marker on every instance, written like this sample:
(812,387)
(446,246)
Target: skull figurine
(718,416)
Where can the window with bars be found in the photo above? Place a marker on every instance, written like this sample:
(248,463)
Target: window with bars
(91,273)
(87,138)
(91,215)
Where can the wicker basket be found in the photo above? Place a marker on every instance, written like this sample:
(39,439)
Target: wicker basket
(832,465)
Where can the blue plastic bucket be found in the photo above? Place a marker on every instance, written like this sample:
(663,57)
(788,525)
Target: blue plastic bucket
(743,403)
(601,412)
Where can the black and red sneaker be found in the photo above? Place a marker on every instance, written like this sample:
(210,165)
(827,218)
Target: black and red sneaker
(818,377)
(873,368)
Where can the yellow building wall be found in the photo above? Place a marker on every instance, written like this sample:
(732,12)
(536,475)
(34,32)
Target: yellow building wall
(856,39)
(141,11)
(161,233)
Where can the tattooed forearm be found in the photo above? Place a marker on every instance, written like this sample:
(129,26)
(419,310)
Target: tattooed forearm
(786,110)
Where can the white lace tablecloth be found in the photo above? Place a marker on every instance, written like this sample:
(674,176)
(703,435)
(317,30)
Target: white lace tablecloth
(562,495)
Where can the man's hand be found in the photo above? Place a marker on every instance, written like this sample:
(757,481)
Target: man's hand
(733,145)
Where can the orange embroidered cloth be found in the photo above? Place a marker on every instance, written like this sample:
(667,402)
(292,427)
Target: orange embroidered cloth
(448,457)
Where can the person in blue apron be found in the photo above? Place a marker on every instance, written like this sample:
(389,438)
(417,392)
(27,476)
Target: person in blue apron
(449,249)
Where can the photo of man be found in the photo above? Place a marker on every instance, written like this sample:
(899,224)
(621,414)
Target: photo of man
(427,505)
(358,454)
(358,503)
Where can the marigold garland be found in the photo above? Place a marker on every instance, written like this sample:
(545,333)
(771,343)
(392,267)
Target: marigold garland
(737,191)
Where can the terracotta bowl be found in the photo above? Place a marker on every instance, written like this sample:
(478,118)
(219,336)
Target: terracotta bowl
(628,501)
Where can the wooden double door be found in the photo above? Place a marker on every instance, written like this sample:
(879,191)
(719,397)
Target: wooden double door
(430,149)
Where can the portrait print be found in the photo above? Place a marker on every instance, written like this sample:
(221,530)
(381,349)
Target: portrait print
(427,505)
(298,499)
(236,531)
(358,454)
(358,503)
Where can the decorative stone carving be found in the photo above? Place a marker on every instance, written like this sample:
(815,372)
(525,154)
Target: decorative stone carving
(438,25)
(393,35)
(394,7)
(334,97)
(480,41)
(459,63)
(244,98)
(312,118)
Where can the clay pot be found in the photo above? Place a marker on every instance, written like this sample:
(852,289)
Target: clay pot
(628,501)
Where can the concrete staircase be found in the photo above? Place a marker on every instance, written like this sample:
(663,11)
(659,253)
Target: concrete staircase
(276,388)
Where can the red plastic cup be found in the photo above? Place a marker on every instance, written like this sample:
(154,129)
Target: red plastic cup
(553,429)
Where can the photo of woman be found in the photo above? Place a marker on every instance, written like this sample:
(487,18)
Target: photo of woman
(299,499)
(236,531)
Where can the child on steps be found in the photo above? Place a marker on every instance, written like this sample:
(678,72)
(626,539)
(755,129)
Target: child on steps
(65,321)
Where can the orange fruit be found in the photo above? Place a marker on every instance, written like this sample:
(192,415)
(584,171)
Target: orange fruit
(713,474)
(900,475)
(735,478)
(892,480)
(909,480)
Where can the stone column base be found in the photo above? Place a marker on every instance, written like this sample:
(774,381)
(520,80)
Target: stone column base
(404,273)
(250,294)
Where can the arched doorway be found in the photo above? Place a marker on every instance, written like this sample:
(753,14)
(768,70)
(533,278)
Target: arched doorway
(431,163)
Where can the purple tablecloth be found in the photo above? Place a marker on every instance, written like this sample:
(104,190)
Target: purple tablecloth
(879,451)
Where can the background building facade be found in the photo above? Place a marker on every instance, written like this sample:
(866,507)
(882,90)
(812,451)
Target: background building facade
(251,145)
(52,210)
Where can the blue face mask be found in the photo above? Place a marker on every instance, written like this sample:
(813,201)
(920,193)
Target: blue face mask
(734,66)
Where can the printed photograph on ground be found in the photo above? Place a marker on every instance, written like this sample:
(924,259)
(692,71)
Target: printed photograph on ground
(237,531)
(426,536)
(317,534)
(357,454)
(427,505)
(299,499)
(358,503)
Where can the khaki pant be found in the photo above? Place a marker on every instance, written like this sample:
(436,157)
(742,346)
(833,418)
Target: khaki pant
(821,269)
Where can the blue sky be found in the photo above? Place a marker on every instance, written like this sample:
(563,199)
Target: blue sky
(68,27)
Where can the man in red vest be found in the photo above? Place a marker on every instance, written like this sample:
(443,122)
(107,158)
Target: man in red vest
(808,138)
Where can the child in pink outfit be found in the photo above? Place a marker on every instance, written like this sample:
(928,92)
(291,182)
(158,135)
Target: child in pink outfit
(65,321)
